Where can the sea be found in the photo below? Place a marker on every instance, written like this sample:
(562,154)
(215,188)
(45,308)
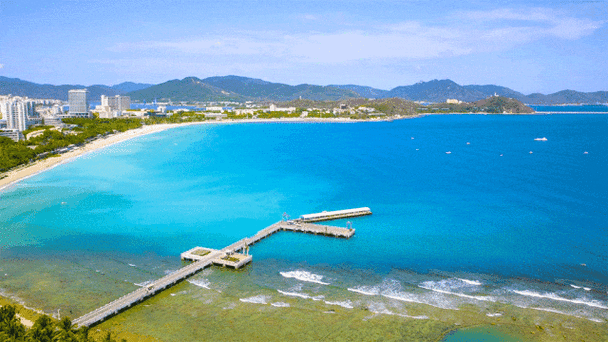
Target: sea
(476,218)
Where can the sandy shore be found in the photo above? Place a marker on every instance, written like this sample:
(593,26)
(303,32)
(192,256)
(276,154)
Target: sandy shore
(29,170)
(37,167)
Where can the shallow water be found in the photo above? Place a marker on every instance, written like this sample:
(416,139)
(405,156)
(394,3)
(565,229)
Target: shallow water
(487,225)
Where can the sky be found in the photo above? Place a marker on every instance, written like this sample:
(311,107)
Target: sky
(528,46)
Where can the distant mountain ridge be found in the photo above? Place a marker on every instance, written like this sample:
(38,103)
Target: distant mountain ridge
(238,88)
(17,87)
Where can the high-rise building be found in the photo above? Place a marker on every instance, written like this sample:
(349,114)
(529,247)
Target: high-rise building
(79,103)
(17,111)
(113,106)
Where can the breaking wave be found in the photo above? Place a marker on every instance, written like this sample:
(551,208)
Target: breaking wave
(259,299)
(553,296)
(366,290)
(144,283)
(204,283)
(300,295)
(345,304)
(304,276)
(280,305)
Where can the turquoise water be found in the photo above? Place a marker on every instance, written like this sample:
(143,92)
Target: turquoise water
(489,222)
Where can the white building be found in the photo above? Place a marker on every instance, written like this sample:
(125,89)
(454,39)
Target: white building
(453,101)
(114,106)
(79,103)
(274,108)
(18,112)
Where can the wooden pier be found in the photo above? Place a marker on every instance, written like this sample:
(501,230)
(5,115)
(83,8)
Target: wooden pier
(227,257)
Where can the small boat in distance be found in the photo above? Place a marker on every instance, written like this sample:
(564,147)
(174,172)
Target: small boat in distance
(540,139)
(448,152)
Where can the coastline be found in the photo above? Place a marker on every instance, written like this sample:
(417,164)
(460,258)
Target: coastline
(14,176)
(23,172)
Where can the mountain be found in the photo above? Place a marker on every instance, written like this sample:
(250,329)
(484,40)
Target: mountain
(568,96)
(436,91)
(237,88)
(188,89)
(500,104)
(489,90)
(363,91)
(257,89)
(19,87)
(126,87)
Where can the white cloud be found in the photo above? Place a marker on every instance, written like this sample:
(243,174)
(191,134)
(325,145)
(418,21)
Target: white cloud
(461,33)
(539,22)
(1,66)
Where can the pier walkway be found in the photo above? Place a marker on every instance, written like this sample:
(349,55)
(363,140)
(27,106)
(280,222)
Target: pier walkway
(227,256)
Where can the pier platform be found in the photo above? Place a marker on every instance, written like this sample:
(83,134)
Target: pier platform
(338,214)
(228,259)
(203,257)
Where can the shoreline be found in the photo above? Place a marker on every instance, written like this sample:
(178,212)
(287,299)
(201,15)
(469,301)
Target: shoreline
(24,172)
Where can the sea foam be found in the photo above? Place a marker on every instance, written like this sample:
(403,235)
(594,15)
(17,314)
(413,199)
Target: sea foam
(346,304)
(484,298)
(304,276)
(470,282)
(259,299)
(280,304)
(144,283)
(365,290)
(204,283)
(300,295)
(553,296)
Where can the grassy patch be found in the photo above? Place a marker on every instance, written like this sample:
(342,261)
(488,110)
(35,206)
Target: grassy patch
(201,252)
(231,258)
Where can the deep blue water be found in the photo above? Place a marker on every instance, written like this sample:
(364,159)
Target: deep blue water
(490,208)
(572,108)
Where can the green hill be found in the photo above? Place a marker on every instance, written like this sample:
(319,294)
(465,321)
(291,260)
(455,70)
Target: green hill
(190,89)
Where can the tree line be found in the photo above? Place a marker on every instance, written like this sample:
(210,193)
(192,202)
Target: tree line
(45,329)
(14,153)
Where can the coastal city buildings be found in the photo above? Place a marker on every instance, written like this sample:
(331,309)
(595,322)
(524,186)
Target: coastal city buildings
(453,101)
(18,113)
(113,106)
(79,103)
(274,108)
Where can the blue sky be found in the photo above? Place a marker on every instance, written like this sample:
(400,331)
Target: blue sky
(529,46)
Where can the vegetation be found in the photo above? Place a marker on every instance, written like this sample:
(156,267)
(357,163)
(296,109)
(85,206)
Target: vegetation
(491,105)
(179,117)
(83,130)
(201,252)
(45,329)
(35,128)
(231,259)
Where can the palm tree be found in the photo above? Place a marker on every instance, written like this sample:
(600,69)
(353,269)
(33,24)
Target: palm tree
(11,328)
(65,332)
(42,330)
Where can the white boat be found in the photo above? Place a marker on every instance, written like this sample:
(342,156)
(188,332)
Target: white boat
(448,152)
(540,139)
